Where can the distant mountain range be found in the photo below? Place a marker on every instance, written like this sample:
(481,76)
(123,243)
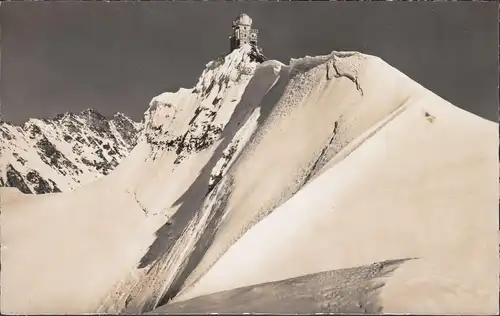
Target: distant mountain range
(59,154)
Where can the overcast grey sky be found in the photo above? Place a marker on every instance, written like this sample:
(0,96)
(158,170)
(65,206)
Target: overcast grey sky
(69,56)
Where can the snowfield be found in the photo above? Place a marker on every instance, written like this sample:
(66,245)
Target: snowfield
(335,174)
(394,197)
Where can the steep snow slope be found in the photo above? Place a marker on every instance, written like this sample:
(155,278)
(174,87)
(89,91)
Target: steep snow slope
(261,179)
(352,290)
(424,186)
(315,118)
(60,154)
(212,162)
(135,199)
(194,144)
(374,106)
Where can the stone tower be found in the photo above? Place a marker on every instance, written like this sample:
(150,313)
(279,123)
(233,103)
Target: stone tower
(243,32)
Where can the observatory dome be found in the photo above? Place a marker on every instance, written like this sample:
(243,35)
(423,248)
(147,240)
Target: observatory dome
(243,19)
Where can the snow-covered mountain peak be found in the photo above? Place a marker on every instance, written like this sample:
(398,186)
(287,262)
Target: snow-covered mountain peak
(191,120)
(271,163)
(228,69)
(52,155)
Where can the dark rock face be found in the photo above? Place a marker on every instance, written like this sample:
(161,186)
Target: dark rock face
(15,180)
(41,185)
(21,160)
(6,135)
(34,131)
(97,123)
(97,146)
(53,157)
(188,142)
(257,55)
(126,129)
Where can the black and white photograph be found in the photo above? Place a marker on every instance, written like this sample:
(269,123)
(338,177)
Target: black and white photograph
(278,157)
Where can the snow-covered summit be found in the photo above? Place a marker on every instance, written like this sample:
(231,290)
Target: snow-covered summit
(53,155)
(330,162)
(191,120)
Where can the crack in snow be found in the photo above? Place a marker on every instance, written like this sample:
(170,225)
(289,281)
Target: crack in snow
(339,74)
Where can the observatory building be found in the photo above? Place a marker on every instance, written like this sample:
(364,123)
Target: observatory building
(243,32)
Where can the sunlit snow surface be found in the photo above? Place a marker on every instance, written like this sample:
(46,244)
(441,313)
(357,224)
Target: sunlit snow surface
(268,173)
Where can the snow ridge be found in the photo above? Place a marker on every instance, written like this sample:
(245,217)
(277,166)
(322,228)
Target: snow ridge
(190,124)
(268,93)
(252,147)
